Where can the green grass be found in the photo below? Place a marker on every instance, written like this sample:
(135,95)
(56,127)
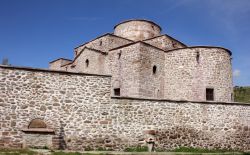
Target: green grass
(200,150)
(136,149)
(66,153)
(75,153)
(242,94)
(17,152)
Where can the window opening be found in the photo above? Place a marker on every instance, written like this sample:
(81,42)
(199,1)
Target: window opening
(119,55)
(154,69)
(117,92)
(87,62)
(209,94)
(198,57)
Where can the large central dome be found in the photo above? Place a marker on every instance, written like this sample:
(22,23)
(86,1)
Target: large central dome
(137,29)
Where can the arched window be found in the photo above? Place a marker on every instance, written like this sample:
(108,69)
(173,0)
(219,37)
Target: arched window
(37,123)
(100,43)
(87,62)
(154,69)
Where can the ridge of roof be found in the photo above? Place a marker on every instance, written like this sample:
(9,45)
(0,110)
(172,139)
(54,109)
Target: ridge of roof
(106,34)
(92,49)
(59,59)
(168,37)
(136,43)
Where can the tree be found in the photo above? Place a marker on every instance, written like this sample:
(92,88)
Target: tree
(5,61)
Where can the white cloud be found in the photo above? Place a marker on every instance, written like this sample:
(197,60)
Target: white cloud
(236,73)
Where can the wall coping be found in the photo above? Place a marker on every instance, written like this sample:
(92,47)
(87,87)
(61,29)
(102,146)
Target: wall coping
(50,71)
(194,47)
(38,130)
(181,101)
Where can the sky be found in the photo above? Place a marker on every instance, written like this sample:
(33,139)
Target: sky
(35,32)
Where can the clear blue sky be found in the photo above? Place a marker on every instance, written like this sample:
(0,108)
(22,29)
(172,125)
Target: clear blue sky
(34,32)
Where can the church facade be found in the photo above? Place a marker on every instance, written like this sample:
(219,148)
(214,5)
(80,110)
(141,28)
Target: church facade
(147,64)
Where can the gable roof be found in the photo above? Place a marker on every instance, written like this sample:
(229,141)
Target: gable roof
(106,34)
(136,43)
(59,59)
(95,50)
(167,37)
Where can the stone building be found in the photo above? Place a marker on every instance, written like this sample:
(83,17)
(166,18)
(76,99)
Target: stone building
(147,64)
(122,89)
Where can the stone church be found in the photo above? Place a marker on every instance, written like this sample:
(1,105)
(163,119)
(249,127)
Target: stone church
(147,64)
(122,89)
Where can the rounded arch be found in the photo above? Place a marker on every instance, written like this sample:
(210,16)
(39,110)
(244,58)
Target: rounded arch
(37,123)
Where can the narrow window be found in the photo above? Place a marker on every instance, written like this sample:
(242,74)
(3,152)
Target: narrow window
(209,94)
(119,54)
(117,92)
(198,57)
(154,69)
(100,43)
(87,62)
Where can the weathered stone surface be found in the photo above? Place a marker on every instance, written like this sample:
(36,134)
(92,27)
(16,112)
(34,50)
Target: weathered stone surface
(145,64)
(97,121)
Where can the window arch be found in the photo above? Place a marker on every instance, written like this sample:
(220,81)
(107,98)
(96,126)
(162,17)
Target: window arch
(37,123)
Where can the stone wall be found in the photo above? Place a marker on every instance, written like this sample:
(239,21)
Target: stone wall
(173,124)
(151,72)
(165,42)
(57,64)
(125,65)
(96,52)
(90,61)
(79,109)
(65,101)
(104,43)
(189,71)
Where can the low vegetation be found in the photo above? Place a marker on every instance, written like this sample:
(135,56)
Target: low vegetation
(180,150)
(242,94)
(17,152)
(136,149)
(202,150)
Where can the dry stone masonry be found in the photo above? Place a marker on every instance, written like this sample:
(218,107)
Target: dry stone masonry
(123,89)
